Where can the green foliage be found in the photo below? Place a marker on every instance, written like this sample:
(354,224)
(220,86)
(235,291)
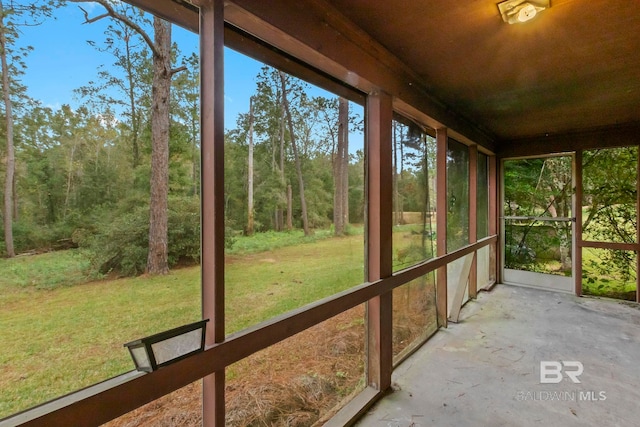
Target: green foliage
(610,198)
(45,271)
(520,180)
(457,195)
(530,243)
(356,189)
(120,244)
(411,254)
(353,230)
(84,172)
(538,187)
(315,127)
(41,238)
(184,230)
(609,273)
(270,240)
(609,215)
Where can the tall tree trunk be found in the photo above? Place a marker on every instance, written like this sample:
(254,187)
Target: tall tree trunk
(296,157)
(282,178)
(289,208)
(341,170)
(67,195)
(11,158)
(157,261)
(250,173)
(343,115)
(338,224)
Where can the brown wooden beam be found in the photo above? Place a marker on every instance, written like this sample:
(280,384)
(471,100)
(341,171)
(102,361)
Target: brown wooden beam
(178,12)
(577,227)
(246,44)
(379,115)
(616,136)
(212,189)
(473,217)
(494,219)
(611,245)
(441,224)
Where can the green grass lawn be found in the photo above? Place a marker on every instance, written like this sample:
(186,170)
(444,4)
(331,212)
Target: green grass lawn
(59,334)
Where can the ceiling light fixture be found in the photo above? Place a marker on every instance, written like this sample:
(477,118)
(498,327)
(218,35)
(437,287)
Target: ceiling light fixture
(519,11)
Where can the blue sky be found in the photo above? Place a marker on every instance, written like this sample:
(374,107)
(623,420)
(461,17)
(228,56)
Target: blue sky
(62,60)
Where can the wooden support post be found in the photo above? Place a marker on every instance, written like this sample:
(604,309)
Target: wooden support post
(441,224)
(577,226)
(473,217)
(212,196)
(379,237)
(494,217)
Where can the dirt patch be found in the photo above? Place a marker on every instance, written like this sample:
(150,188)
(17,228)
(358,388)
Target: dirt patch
(299,382)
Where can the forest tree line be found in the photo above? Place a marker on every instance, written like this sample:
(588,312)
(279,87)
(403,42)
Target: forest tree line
(119,174)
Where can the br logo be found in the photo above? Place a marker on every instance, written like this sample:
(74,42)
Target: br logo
(551,371)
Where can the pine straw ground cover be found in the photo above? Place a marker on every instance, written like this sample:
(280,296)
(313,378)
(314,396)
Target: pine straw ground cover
(302,381)
(299,382)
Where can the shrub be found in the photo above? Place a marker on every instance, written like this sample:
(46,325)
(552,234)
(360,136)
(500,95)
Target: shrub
(121,244)
(28,237)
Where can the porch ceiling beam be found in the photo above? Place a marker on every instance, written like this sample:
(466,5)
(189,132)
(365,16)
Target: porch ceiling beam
(182,13)
(617,136)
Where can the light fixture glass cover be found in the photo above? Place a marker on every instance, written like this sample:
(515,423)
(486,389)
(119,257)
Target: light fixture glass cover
(519,11)
(166,347)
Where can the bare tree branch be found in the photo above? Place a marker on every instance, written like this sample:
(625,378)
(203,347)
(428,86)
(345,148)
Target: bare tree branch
(177,70)
(122,18)
(88,20)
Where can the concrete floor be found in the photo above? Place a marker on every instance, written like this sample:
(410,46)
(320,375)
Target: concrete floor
(485,371)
